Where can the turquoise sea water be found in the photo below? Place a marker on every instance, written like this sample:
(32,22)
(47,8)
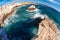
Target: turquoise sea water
(20,26)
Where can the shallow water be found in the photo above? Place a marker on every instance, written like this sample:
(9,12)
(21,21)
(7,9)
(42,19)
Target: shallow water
(20,26)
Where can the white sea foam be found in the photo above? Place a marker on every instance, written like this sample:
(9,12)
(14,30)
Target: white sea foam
(36,10)
(38,14)
(6,22)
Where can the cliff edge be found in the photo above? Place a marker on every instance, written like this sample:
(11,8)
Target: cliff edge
(47,28)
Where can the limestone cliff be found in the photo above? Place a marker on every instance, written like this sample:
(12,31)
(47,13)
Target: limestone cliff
(7,10)
(47,28)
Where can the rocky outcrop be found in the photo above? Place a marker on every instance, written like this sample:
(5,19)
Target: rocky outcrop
(47,30)
(31,8)
(7,10)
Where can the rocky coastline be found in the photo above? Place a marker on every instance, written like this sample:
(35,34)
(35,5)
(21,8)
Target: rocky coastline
(47,28)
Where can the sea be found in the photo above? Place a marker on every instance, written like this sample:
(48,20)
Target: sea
(20,26)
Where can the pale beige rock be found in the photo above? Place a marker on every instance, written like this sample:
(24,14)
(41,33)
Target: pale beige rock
(7,10)
(31,8)
(47,30)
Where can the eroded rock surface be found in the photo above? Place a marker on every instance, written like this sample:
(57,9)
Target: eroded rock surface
(31,8)
(7,10)
(47,30)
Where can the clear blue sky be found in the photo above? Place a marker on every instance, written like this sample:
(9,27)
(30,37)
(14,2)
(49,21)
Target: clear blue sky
(52,3)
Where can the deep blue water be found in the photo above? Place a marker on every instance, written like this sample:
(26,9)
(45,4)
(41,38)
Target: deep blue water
(20,26)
